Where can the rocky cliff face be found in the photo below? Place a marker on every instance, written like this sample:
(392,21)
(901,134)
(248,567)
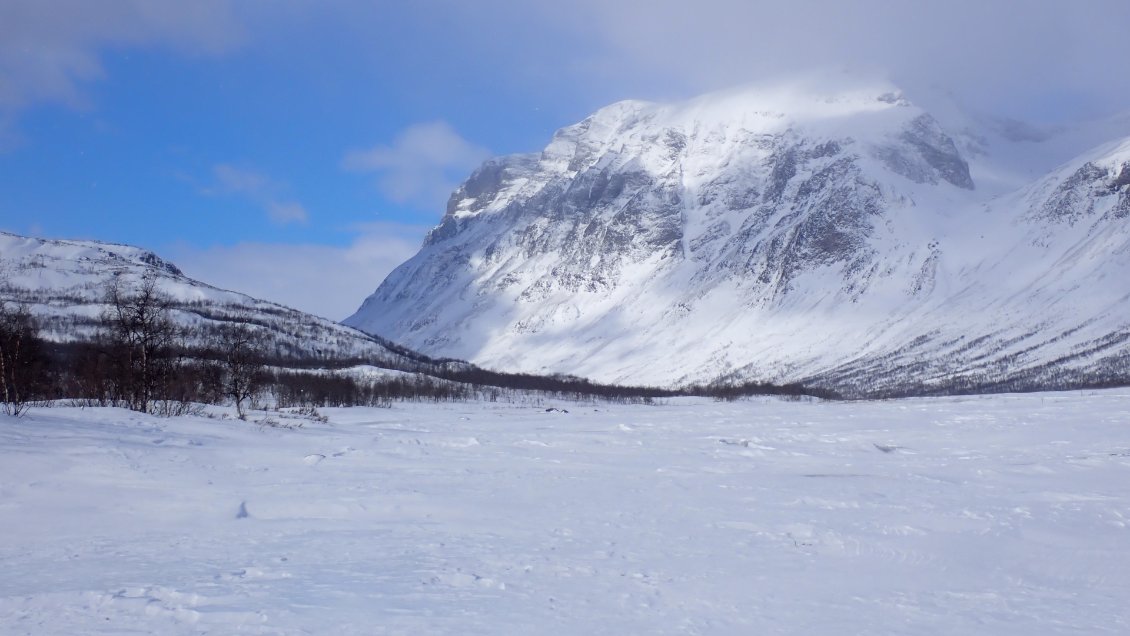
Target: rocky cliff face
(770,235)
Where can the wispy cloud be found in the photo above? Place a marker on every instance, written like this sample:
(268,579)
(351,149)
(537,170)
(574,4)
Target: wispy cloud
(49,49)
(260,189)
(284,213)
(1002,56)
(240,180)
(325,280)
(421,166)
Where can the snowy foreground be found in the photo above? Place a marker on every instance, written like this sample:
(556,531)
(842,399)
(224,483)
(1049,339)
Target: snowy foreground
(987,515)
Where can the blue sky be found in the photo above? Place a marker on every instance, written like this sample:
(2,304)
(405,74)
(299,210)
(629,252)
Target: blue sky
(298,151)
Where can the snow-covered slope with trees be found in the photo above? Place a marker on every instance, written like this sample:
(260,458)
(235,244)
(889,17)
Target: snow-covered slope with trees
(841,238)
(64,284)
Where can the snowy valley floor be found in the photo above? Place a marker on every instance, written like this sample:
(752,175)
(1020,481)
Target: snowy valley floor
(983,515)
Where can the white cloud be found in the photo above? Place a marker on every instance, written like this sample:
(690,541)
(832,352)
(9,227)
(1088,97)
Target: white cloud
(283,213)
(240,180)
(50,48)
(1021,58)
(422,166)
(320,279)
(1013,54)
(260,189)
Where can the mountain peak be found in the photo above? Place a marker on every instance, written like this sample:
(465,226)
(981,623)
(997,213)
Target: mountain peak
(787,232)
(756,107)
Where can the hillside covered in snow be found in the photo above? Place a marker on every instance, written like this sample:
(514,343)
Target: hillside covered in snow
(849,239)
(64,284)
(195,340)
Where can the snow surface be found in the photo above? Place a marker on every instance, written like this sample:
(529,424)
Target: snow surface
(987,515)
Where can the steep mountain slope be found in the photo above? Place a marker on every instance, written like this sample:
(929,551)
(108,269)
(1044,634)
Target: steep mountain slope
(782,235)
(1035,295)
(64,284)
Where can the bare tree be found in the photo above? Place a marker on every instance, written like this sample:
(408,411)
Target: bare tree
(21,358)
(242,356)
(144,341)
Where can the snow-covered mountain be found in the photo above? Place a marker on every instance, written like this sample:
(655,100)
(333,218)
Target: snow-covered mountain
(64,283)
(846,239)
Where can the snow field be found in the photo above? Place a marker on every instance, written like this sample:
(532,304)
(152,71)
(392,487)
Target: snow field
(984,515)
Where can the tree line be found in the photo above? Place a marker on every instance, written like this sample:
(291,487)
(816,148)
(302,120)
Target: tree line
(142,358)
